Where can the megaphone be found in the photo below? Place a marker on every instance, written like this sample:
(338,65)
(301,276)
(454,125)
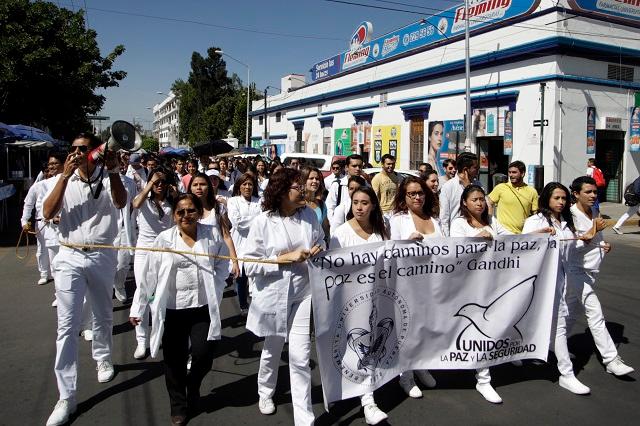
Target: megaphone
(123,136)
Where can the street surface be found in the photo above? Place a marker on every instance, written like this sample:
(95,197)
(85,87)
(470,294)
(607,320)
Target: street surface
(137,395)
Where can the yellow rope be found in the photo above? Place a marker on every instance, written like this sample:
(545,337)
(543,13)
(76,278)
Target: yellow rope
(25,232)
(163,250)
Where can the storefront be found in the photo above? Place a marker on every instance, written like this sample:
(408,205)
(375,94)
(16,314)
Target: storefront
(563,68)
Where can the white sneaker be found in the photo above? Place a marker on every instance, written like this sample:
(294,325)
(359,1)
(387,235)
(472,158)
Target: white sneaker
(105,371)
(570,383)
(54,303)
(141,351)
(43,281)
(121,294)
(61,412)
(617,231)
(489,393)
(87,334)
(617,367)
(426,378)
(266,406)
(408,385)
(373,415)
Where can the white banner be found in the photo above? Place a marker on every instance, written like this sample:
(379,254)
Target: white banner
(456,303)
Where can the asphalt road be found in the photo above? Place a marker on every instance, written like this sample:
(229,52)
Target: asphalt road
(137,395)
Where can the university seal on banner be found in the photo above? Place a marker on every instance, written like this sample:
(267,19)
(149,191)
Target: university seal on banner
(369,333)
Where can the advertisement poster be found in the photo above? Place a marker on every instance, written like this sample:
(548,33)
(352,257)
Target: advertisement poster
(625,10)
(386,140)
(634,129)
(441,142)
(485,122)
(361,138)
(442,26)
(273,150)
(342,138)
(508,133)
(591,130)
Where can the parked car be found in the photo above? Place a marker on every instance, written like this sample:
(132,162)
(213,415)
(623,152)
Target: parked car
(320,161)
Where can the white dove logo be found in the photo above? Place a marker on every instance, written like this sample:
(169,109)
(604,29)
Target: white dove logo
(500,317)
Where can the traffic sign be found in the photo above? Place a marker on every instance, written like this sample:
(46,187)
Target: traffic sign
(536,123)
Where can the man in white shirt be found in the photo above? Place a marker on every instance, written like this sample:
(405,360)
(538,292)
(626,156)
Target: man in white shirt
(88,199)
(451,191)
(449,166)
(337,173)
(338,191)
(42,258)
(136,171)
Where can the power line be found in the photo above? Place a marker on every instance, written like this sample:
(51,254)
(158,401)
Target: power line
(206,24)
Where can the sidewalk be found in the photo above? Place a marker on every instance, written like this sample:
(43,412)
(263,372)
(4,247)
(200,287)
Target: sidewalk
(612,212)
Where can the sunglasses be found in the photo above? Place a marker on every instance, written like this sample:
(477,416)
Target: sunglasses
(159,182)
(183,212)
(81,148)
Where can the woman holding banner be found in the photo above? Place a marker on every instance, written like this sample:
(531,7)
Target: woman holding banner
(415,218)
(288,233)
(476,222)
(365,224)
(340,213)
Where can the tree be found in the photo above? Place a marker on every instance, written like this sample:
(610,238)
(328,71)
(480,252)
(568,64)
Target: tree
(149,144)
(50,67)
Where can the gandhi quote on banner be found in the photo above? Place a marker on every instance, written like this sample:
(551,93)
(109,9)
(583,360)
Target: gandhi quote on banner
(456,303)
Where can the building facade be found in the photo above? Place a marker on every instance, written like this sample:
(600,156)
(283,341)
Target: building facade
(569,69)
(166,121)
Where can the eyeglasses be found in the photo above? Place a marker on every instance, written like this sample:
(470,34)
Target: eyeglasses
(81,148)
(159,182)
(335,168)
(183,212)
(298,188)
(417,194)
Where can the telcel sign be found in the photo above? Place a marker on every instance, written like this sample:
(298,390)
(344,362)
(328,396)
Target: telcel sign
(447,25)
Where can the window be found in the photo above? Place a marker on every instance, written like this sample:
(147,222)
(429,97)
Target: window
(383,99)
(278,117)
(261,120)
(619,73)
(326,139)
(416,143)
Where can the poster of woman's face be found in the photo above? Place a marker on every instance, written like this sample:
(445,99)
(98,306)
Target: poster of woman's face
(479,122)
(436,132)
(273,151)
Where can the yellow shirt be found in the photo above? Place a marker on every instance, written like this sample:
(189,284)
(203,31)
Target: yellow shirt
(515,204)
(385,187)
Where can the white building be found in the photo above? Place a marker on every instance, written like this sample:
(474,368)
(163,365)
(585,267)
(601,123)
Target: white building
(386,94)
(166,121)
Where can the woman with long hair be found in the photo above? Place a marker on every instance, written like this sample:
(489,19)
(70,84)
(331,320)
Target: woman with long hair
(192,169)
(242,208)
(183,293)
(365,224)
(474,221)
(314,191)
(342,210)
(202,187)
(288,232)
(433,183)
(262,175)
(154,216)
(415,218)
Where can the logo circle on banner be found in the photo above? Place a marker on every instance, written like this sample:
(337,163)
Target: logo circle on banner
(367,337)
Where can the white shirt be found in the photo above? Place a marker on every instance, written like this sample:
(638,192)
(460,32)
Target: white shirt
(332,197)
(461,228)
(402,226)
(450,194)
(36,191)
(150,224)
(339,216)
(84,219)
(585,255)
(241,214)
(538,221)
(127,222)
(187,291)
(346,236)
(328,181)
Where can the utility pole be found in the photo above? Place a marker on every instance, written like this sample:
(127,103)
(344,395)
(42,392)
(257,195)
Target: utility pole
(266,134)
(467,72)
(539,180)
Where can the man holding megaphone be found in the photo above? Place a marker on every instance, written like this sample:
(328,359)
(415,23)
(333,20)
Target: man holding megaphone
(88,194)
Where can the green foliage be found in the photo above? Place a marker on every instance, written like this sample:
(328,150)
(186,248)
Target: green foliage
(211,103)
(50,68)
(149,144)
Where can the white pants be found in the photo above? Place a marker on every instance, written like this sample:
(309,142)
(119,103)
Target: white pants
(630,211)
(78,274)
(483,376)
(580,293)
(299,369)
(124,258)
(42,256)
(142,329)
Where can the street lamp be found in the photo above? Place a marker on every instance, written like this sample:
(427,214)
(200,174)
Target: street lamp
(221,52)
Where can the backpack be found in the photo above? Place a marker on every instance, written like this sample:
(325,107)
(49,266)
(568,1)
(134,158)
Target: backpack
(630,196)
(599,177)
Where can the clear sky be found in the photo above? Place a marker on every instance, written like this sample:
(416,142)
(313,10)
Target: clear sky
(158,51)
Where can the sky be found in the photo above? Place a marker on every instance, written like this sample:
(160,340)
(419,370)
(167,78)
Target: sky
(159,42)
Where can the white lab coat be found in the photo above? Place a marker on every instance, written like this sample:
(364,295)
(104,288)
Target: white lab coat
(160,269)
(268,312)
(402,226)
(241,215)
